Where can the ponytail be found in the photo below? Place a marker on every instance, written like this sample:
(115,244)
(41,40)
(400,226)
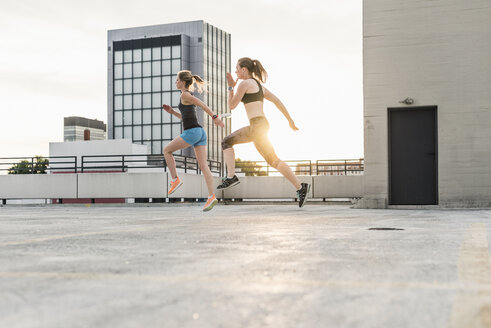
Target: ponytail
(189,80)
(200,83)
(255,68)
(259,71)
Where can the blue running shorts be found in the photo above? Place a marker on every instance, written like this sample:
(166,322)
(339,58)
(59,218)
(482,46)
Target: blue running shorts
(195,136)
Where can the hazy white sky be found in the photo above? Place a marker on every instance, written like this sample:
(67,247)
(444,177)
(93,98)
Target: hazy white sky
(54,64)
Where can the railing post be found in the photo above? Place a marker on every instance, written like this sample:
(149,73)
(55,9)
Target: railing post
(185,164)
(345,168)
(75,164)
(32,165)
(82,164)
(122,163)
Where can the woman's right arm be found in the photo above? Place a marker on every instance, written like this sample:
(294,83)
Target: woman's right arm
(170,110)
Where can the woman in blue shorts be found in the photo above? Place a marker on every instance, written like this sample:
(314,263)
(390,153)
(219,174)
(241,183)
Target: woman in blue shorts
(193,135)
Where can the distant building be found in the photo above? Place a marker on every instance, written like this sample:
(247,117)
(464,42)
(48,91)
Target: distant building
(75,128)
(142,67)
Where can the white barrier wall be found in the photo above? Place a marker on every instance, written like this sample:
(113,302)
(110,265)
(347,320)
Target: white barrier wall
(194,186)
(265,187)
(338,186)
(122,185)
(38,186)
(155,185)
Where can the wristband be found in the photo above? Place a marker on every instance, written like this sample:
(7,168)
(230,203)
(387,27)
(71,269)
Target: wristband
(230,88)
(214,116)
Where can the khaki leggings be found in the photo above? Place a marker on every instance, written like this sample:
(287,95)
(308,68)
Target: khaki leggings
(256,132)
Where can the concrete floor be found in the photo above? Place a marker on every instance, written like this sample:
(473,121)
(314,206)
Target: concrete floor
(243,266)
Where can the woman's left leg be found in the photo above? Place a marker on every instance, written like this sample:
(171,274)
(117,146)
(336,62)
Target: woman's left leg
(265,148)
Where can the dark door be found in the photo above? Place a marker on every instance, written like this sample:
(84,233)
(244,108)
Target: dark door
(413,156)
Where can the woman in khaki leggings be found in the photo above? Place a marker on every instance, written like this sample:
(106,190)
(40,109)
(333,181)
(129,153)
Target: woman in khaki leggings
(251,92)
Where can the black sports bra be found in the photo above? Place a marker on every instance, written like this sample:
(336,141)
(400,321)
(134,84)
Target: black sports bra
(257,96)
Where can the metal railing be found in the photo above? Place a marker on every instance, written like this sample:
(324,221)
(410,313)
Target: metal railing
(37,164)
(340,167)
(123,163)
(262,168)
(98,163)
(303,167)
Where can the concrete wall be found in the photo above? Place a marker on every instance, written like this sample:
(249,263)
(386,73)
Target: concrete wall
(438,53)
(338,186)
(38,186)
(155,185)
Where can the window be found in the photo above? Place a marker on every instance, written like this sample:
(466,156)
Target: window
(166,83)
(127,86)
(147,116)
(137,55)
(156,100)
(147,100)
(127,132)
(137,69)
(147,69)
(147,83)
(118,118)
(128,70)
(137,133)
(156,112)
(127,117)
(137,117)
(147,55)
(128,56)
(118,57)
(118,87)
(176,66)
(156,84)
(166,52)
(118,71)
(176,51)
(127,104)
(118,133)
(147,132)
(155,53)
(156,68)
(137,85)
(166,67)
(156,130)
(166,132)
(118,102)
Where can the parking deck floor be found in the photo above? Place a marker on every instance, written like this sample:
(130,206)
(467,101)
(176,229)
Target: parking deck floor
(243,266)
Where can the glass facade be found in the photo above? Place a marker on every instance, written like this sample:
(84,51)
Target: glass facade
(216,62)
(143,78)
(142,82)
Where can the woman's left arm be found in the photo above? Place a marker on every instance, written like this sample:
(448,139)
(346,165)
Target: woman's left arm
(195,101)
(275,100)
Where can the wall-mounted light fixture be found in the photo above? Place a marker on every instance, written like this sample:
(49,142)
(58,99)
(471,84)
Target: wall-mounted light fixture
(407,101)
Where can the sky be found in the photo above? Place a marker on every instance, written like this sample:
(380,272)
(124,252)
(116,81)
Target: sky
(53,64)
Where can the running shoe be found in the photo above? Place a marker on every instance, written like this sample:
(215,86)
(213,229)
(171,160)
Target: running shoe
(302,194)
(174,185)
(210,203)
(228,182)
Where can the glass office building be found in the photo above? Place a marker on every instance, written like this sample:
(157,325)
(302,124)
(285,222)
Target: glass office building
(142,67)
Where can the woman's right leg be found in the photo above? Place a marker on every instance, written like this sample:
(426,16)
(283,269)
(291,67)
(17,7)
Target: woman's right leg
(174,145)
